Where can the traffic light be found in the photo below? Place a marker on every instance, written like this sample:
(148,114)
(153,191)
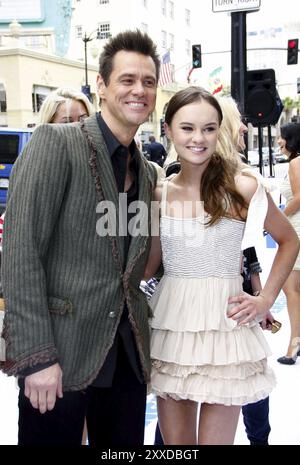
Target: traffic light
(262,102)
(292,52)
(197,61)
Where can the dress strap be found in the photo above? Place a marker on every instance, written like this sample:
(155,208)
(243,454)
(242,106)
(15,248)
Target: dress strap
(163,205)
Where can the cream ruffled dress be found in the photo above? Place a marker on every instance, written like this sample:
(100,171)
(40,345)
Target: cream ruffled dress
(197,352)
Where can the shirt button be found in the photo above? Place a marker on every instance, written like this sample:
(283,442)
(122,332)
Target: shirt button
(112,314)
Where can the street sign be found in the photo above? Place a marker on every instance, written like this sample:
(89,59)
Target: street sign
(235,5)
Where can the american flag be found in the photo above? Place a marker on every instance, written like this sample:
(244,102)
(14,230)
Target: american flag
(165,70)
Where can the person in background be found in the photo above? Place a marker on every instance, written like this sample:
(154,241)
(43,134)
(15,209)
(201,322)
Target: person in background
(76,326)
(156,151)
(206,345)
(65,105)
(160,171)
(289,143)
(255,415)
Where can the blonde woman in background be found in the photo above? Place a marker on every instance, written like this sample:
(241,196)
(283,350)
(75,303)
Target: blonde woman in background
(65,105)
(255,415)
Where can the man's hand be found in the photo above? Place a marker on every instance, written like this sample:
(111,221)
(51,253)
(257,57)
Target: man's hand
(42,387)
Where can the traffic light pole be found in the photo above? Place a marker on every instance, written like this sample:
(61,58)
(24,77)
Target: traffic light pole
(238,58)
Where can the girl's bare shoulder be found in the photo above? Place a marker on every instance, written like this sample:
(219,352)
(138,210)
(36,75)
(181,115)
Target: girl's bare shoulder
(246,185)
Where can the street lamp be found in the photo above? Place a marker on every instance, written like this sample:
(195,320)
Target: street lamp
(87,38)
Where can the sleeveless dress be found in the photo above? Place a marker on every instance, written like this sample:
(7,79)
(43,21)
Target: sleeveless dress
(197,352)
(286,191)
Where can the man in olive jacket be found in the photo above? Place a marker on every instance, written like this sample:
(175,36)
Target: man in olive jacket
(76,323)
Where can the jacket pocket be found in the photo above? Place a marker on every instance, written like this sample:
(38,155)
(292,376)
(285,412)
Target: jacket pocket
(59,306)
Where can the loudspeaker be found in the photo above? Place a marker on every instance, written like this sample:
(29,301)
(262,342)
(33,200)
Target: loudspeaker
(262,103)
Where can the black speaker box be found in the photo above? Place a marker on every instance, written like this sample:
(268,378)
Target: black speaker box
(262,102)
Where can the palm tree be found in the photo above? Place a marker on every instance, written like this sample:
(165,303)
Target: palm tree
(289,104)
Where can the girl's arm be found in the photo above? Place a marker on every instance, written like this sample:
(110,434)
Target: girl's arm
(249,307)
(255,283)
(293,206)
(155,255)
(288,247)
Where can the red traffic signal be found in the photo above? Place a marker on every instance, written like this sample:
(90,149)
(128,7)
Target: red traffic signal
(292,52)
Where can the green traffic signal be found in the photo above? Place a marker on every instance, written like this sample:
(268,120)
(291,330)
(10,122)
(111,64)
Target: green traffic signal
(197,59)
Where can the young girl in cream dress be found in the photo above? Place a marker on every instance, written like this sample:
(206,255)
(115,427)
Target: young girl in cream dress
(207,346)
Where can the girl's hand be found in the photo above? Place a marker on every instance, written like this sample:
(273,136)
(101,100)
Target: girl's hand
(248,308)
(266,322)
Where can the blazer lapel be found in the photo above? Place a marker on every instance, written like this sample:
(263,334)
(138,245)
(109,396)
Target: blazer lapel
(104,178)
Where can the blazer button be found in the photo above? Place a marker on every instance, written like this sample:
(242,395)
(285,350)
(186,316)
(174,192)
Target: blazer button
(112,314)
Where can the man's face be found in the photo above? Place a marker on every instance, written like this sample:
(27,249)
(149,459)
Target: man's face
(129,97)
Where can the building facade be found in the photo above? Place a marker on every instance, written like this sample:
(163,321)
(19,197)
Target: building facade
(43,45)
(170,23)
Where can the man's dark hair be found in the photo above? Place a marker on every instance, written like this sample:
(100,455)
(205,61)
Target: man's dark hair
(151,138)
(131,41)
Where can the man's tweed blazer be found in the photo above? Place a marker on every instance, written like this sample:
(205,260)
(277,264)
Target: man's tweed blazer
(64,285)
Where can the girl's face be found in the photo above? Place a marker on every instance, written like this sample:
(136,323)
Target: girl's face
(194,132)
(282,145)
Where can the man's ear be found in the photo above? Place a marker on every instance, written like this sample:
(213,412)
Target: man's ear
(100,87)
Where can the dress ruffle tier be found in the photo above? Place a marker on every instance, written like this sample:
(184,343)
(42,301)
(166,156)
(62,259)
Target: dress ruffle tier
(197,352)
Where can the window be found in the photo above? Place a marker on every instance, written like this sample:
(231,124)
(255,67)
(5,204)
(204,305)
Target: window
(102,2)
(171,9)
(188,46)
(78,31)
(164,7)
(104,29)
(163,39)
(171,42)
(9,148)
(39,94)
(187,17)
(144,27)
(2,99)
(36,42)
